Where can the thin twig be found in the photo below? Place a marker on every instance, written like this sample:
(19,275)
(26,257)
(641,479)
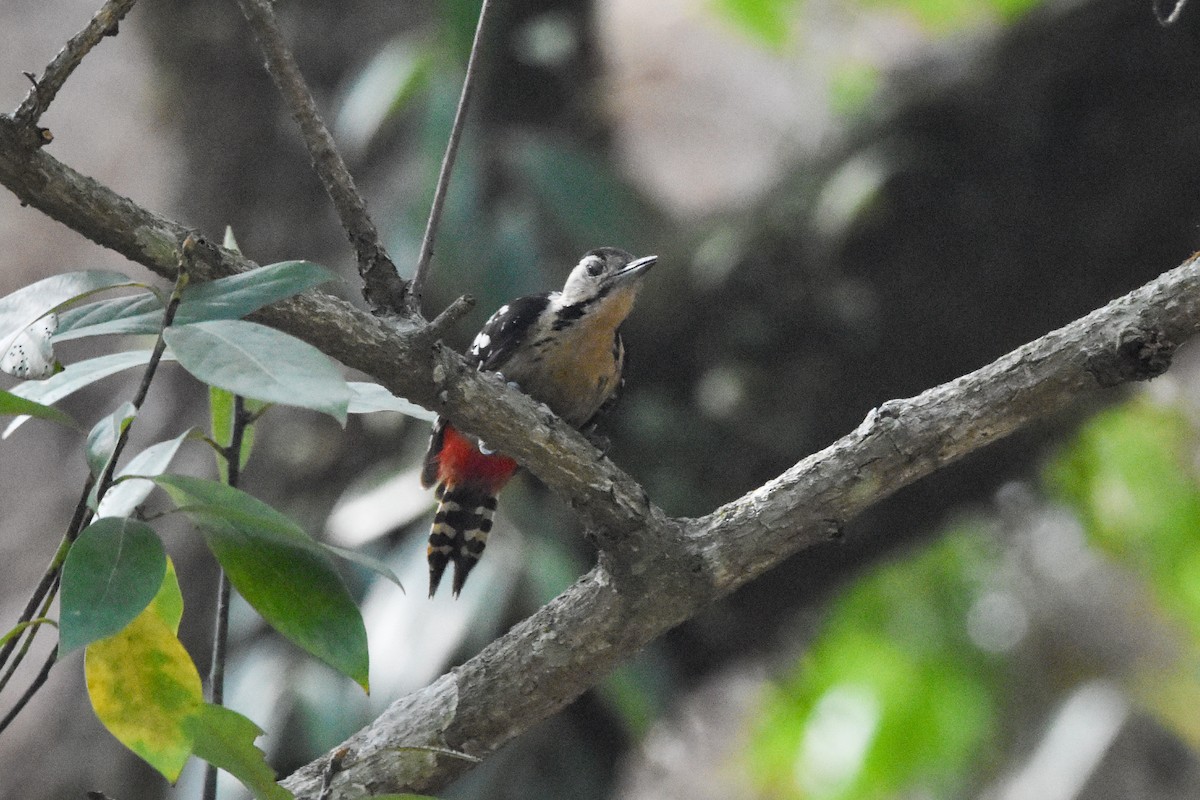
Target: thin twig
(32,690)
(383,287)
(449,316)
(82,513)
(45,88)
(160,347)
(443,183)
(31,633)
(216,673)
(216,670)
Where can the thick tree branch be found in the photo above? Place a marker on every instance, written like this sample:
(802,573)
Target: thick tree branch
(654,572)
(383,288)
(674,567)
(409,361)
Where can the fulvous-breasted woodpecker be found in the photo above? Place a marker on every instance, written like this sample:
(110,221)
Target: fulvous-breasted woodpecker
(561,348)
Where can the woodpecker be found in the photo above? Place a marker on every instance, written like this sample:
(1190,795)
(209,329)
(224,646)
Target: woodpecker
(561,348)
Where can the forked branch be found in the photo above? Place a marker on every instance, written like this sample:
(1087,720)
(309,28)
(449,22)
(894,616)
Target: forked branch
(659,571)
(654,572)
(383,287)
(45,88)
(385,291)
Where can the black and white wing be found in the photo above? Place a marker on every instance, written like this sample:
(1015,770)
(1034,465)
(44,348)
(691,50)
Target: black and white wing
(504,333)
(501,336)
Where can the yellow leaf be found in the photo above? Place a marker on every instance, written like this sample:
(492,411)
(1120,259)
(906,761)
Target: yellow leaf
(144,685)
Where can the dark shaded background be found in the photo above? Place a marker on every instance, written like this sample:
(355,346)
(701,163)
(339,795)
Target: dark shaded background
(1002,183)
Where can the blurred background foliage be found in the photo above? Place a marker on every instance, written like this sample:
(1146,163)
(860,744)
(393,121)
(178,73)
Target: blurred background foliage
(905,687)
(852,202)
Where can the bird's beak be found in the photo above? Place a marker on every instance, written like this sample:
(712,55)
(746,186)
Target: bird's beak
(635,269)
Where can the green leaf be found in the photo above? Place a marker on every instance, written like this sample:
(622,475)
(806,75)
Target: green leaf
(260,362)
(103,437)
(124,496)
(143,684)
(167,605)
(225,739)
(74,378)
(14,404)
(283,573)
(25,306)
(235,296)
(112,572)
(367,398)
(132,314)
(228,298)
(368,562)
(220,412)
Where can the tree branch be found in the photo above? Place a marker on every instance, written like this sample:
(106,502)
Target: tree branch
(45,88)
(383,288)
(672,568)
(443,182)
(654,572)
(408,361)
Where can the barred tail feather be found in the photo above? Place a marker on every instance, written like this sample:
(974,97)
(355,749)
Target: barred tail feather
(460,531)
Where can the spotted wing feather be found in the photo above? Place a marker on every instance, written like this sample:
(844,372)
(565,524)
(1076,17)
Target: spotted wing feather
(504,333)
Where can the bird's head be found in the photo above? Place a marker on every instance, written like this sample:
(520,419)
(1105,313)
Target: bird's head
(605,272)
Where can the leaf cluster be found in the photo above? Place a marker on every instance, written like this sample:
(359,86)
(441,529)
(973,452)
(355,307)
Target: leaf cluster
(120,599)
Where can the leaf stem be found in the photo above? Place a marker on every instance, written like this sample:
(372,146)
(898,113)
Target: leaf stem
(160,346)
(32,690)
(216,674)
(28,638)
(48,587)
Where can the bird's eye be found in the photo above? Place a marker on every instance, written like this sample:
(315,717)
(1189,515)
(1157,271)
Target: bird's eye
(594,268)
